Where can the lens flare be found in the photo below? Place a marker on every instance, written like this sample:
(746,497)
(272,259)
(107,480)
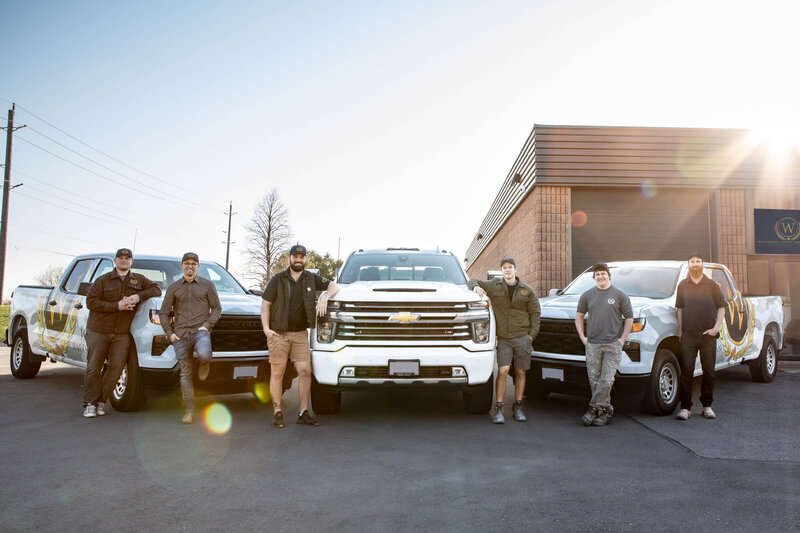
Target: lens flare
(579,219)
(217,419)
(649,189)
(261,392)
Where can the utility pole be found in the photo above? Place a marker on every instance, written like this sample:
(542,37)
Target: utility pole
(6,189)
(228,243)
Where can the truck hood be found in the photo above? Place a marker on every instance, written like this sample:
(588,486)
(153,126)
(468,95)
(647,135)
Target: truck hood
(232,304)
(404,291)
(566,305)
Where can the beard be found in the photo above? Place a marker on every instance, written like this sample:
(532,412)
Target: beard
(297,267)
(696,270)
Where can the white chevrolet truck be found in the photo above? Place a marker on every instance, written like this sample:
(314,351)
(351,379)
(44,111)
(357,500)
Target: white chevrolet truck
(403,318)
(50,323)
(752,334)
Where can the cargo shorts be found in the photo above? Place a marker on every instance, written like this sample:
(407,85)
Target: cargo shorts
(517,350)
(291,345)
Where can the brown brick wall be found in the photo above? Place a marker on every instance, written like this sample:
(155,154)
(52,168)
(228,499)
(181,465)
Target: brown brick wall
(733,234)
(536,235)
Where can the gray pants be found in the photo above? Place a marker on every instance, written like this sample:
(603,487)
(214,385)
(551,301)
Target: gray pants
(602,361)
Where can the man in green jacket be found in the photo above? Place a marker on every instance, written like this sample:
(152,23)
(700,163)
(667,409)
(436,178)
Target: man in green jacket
(516,313)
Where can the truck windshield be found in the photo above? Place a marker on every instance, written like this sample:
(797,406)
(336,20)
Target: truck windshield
(163,273)
(649,282)
(402,266)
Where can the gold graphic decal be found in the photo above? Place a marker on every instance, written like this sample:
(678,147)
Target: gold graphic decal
(787,229)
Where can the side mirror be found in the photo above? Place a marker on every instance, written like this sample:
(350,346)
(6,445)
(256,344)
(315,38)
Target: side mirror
(256,292)
(554,292)
(83,288)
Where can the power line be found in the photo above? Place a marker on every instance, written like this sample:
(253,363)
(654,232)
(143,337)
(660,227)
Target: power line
(17,246)
(117,222)
(51,234)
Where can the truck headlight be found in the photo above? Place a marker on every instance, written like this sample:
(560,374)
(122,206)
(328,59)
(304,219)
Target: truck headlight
(480,304)
(480,332)
(154,316)
(638,325)
(325,332)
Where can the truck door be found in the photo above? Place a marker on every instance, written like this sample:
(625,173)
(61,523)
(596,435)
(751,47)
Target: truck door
(736,335)
(60,333)
(77,348)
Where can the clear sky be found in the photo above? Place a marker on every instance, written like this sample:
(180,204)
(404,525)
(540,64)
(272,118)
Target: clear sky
(380,123)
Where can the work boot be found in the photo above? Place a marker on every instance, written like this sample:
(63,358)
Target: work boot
(683,414)
(604,415)
(306,418)
(519,416)
(101,410)
(203,371)
(89,411)
(277,420)
(588,416)
(707,412)
(497,414)
(188,417)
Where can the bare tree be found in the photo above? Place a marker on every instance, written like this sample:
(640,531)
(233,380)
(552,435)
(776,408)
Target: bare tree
(268,236)
(49,276)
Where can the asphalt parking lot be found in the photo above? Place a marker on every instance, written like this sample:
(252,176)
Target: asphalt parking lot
(397,462)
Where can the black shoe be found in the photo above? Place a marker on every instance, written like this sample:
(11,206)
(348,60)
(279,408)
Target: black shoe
(519,415)
(603,417)
(589,416)
(277,420)
(306,418)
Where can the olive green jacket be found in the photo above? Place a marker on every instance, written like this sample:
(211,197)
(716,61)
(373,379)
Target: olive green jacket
(515,317)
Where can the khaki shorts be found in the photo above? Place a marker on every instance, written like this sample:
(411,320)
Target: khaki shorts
(292,345)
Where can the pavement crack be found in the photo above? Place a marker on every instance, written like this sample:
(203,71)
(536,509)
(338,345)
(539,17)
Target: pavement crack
(665,437)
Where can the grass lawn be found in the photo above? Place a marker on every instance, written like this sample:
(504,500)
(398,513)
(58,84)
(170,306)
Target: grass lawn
(3,319)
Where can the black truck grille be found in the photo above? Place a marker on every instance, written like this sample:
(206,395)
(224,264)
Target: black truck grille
(382,372)
(238,333)
(558,336)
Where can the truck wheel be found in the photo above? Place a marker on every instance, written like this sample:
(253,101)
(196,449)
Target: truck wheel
(479,401)
(22,367)
(764,368)
(129,393)
(325,400)
(661,396)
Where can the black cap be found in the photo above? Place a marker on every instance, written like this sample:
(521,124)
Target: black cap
(508,260)
(697,254)
(190,255)
(124,251)
(297,249)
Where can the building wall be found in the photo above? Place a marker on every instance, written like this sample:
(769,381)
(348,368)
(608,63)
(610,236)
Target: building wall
(733,234)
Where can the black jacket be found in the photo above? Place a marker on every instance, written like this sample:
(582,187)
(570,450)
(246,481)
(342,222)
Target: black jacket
(279,312)
(104,296)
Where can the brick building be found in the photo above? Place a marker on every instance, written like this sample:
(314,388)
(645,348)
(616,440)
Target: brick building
(582,194)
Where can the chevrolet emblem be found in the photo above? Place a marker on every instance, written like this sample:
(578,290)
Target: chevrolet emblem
(403,317)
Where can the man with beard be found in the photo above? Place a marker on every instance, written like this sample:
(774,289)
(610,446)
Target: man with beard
(701,310)
(286,314)
(112,302)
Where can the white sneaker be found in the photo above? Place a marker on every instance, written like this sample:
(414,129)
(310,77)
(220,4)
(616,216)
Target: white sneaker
(708,413)
(101,410)
(683,414)
(90,411)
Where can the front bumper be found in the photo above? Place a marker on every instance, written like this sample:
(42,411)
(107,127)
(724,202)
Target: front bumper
(574,379)
(227,376)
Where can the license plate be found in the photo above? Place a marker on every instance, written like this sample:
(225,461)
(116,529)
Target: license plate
(244,372)
(404,368)
(552,373)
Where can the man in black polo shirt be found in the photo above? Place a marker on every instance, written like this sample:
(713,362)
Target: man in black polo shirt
(286,314)
(701,310)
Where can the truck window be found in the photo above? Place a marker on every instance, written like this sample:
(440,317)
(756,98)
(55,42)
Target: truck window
(77,275)
(104,267)
(721,278)
(402,267)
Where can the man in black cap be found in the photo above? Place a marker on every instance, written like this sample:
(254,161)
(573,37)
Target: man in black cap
(701,310)
(516,312)
(112,302)
(194,303)
(286,314)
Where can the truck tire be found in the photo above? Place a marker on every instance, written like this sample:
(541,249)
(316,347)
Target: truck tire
(325,400)
(22,366)
(764,368)
(661,396)
(479,400)
(129,394)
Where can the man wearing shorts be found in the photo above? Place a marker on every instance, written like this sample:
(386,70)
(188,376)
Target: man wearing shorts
(286,314)
(516,313)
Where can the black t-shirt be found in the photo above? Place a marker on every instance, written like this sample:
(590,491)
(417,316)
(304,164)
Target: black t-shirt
(298,320)
(511,289)
(699,303)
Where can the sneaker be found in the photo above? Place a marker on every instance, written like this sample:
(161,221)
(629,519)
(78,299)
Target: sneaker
(519,416)
(89,411)
(203,371)
(683,414)
(497,414)
(277,420)
(603,417)
(708,413)
(101,410)
(588,416)
(188,418)
(306,418)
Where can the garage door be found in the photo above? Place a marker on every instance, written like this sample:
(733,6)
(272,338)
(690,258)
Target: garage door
(616,224)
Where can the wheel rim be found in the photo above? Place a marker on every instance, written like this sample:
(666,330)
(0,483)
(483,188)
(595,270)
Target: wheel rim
(771,359)
(19,352)
(667,381)
(122,384)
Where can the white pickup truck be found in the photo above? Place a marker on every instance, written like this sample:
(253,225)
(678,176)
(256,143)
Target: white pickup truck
(752,334)
(50,323)
(404,318)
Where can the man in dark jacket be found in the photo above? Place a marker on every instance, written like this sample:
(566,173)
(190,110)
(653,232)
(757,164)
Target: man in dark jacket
(112,302)
(516,312)
(286,314)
